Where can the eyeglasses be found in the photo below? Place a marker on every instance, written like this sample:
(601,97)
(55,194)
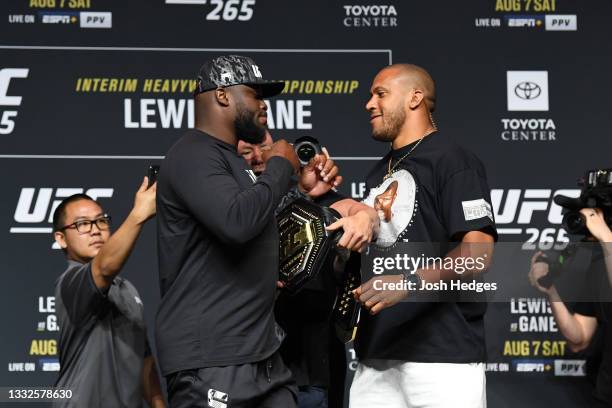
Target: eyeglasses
(85,226)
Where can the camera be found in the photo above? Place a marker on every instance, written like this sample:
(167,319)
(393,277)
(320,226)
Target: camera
(596,193)
(556,261)
(306,148)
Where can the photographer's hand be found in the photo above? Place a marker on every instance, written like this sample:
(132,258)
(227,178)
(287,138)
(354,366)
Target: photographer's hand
(538,270)
(596,224)
(319,176)
(577,329)
(144,202)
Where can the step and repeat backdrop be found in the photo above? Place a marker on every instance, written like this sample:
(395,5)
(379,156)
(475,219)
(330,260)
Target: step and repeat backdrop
(92,92)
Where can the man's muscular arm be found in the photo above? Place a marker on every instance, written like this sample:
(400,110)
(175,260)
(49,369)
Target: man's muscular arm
(474,244)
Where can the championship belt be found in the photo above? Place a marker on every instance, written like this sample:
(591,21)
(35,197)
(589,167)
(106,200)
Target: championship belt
(345,314)
(305,244)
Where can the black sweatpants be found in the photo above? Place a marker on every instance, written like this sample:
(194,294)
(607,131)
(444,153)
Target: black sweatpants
(265,384)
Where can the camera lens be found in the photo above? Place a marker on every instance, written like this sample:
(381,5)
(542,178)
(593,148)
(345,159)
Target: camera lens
(574,223)
(306,152)
(306,148)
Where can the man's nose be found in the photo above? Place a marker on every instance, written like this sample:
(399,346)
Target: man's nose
(257,156)
(95,230)
(370,105)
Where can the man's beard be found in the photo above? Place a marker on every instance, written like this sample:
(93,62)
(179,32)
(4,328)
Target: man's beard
(392,124)
(247,128)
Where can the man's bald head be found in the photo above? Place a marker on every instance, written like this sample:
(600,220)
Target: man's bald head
(415,77)
(402,99)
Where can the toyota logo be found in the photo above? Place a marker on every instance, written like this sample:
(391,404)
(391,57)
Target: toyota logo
(527,90)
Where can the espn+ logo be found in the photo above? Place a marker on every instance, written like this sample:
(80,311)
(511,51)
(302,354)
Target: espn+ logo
(7,117)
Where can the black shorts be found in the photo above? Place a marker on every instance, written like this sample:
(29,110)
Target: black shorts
(265,384)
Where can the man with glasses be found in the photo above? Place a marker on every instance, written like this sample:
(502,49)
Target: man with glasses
(104,354)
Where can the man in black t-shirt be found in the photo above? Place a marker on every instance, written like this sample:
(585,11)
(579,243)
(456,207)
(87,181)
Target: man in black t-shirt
(105,359)
(430,191)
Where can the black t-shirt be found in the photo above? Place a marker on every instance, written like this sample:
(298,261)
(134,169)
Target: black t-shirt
(435,194)
(597,285)
(103,340)
(218,255)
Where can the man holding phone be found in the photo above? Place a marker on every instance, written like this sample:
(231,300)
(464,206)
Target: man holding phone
(103,349)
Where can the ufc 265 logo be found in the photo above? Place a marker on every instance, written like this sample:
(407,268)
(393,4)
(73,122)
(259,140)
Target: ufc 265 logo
(224,10)
(516,211)
(7,117)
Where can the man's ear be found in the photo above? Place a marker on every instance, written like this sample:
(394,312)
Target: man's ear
(416,98)
(60,238)
(222,96)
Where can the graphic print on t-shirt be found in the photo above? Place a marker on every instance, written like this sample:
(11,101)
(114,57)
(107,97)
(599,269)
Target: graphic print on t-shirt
(395,202)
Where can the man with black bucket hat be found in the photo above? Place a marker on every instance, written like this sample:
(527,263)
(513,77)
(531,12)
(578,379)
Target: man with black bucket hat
(217,339)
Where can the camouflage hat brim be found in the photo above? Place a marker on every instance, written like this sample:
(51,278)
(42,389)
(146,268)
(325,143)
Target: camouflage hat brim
(229,70)
(268,88)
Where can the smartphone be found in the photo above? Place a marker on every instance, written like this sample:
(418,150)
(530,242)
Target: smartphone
(152,174)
